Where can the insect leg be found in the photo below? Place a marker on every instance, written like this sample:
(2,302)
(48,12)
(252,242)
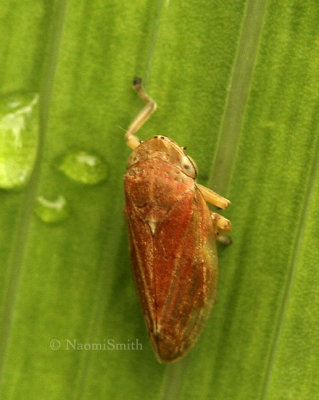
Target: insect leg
(223,224)
(213,197)
(225,240)
(132,140)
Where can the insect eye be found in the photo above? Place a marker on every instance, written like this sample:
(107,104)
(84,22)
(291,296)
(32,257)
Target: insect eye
(189,167)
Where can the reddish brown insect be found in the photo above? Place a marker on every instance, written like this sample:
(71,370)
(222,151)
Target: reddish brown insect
(172,238)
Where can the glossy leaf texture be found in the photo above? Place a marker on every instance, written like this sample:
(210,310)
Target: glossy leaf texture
(237,83)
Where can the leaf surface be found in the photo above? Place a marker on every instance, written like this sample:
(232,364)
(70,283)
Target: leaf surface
(237,83)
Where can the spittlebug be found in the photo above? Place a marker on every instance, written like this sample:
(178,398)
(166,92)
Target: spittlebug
(173,237)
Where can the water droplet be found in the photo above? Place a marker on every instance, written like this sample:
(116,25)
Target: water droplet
(83,167)
(19,131)
(52,210)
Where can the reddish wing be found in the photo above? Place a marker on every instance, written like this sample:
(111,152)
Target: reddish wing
(173,251)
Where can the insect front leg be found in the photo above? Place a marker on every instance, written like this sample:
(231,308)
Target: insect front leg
(132,140)
(213,198)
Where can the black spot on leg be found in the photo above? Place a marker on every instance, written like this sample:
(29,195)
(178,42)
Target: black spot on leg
(137,81)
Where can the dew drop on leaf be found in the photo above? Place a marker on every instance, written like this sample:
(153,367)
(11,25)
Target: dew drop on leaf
(83,167)
(19,135)
(52,211)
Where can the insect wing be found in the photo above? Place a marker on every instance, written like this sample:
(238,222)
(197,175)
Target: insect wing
(174,261)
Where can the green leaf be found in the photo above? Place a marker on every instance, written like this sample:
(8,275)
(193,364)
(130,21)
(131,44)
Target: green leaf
(237,83)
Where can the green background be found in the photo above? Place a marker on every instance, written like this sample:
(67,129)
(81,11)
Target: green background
(237,83)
